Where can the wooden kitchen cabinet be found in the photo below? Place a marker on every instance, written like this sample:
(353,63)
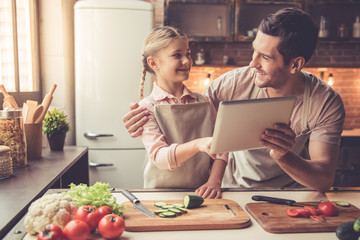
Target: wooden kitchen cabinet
(198,18)
(348,168)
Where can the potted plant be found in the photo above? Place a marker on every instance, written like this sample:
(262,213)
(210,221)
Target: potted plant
(55,126)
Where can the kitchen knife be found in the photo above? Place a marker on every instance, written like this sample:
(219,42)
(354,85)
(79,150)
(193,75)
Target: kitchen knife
(137,204)
(230,210)
(281,201)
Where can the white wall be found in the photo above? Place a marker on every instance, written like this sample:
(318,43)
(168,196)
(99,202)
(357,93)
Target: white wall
(57,56)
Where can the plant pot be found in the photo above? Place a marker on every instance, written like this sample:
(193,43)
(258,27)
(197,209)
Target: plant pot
(56,141)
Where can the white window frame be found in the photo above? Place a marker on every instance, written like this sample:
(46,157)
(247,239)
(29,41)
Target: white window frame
(33,60)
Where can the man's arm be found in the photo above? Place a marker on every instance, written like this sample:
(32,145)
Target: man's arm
(135,119)
(318,172)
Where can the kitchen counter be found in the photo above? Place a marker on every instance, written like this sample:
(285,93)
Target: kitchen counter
(351,132)
(53,170)
(242,197)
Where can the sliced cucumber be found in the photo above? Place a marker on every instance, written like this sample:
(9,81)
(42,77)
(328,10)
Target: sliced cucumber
(182,209)
(175,210)
(167,214)
(193,201)
(160,204)
(342,204)
(167,206)
(157,212)
(178,205)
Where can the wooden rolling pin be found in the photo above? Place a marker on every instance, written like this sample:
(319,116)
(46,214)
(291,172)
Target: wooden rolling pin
(46,103)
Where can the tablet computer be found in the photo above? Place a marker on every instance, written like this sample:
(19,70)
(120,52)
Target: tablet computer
(240,124)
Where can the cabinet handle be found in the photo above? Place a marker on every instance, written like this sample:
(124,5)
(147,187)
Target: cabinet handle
(92,136)
(94,164)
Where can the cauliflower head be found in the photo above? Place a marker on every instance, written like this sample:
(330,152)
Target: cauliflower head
(53,208)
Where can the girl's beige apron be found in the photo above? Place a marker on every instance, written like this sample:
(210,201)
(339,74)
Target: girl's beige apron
(255,168)
(180,123)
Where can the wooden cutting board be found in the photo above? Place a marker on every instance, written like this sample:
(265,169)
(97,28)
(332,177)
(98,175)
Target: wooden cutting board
(272,218)
(211,215)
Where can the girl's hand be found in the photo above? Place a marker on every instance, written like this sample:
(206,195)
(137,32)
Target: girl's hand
(209,190)
(204,145)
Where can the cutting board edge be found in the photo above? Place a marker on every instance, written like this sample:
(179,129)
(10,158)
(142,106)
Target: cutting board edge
(240,221)
(272,229)
(189,227)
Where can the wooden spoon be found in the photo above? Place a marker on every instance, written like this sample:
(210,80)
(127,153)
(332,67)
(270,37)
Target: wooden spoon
(32,105)
(8,97)
(37,113)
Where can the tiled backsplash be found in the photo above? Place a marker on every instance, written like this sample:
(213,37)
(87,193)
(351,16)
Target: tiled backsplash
(346,83)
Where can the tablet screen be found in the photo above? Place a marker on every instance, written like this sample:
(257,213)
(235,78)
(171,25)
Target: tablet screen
(240,124)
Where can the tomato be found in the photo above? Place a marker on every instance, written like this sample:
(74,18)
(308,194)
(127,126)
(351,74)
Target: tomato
(51,232)
(111,226)
(312,210)
(104,210)
(88,214)
(306,211)
(328,209)
(77,230)
(293,212)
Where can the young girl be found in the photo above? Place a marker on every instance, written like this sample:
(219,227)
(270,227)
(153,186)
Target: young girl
(178,134)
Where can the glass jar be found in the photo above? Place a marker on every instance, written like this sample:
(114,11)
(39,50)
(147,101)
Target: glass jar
(12,135)
(6,166)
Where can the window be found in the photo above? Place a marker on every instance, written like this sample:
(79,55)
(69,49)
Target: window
(19,62)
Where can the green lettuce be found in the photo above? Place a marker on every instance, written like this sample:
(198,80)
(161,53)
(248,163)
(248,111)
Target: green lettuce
(96,195)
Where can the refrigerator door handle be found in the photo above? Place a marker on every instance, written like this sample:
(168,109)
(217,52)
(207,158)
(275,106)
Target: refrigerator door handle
(93,136)
(94,164)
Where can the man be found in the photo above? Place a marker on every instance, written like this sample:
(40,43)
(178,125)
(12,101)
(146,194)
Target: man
(304,153)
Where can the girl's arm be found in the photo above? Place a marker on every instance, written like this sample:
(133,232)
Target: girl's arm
(212,188)
(162,154)
(187,150)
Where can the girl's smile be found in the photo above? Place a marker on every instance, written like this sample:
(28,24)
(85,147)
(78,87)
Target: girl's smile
(172,65)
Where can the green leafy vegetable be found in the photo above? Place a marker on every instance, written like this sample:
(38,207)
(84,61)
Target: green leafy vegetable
(97,195)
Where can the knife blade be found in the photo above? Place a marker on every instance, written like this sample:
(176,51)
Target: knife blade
(281,201)
(230,210)
(137,204)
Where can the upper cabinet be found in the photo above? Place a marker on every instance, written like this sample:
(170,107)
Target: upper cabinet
(237,20)
(203,20)
(337,17)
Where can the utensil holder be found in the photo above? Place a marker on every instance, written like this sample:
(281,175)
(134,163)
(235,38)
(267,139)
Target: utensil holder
(33,132)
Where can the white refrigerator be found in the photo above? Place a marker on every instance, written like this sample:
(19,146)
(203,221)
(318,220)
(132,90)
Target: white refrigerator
(109,36)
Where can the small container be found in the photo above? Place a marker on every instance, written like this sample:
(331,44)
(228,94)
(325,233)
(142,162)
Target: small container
(6,166)
(225,60)
(12,135)
(342,32)
(324,27)
(200,57)
(356,28)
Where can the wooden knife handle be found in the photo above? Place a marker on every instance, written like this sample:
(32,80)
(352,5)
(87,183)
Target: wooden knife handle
(273,200)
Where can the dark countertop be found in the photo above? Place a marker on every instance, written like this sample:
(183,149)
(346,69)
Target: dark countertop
(28,183)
